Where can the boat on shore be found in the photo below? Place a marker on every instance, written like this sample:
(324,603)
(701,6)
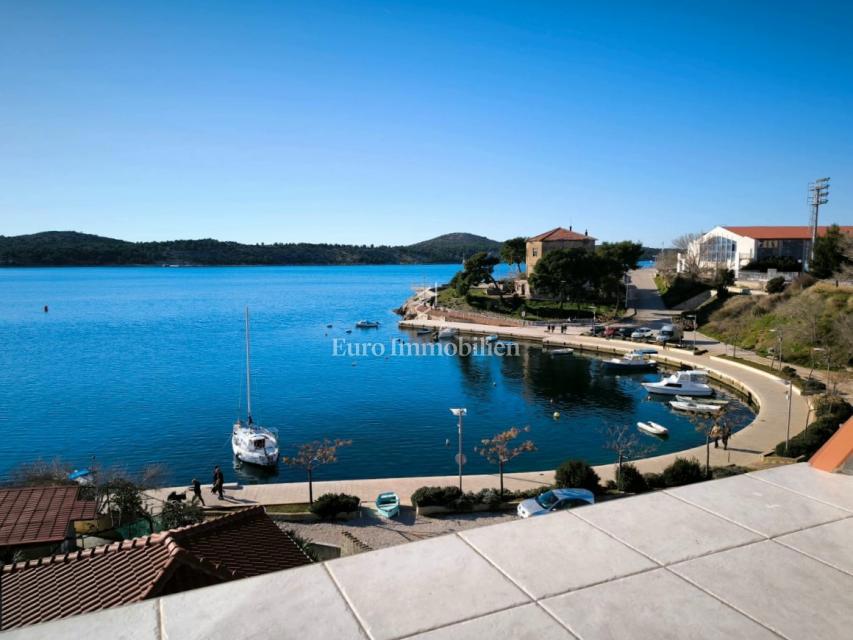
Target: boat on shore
(251,442)
(633,361)
(446,333)
(653,428)
(688,383)
(695,407)
(423,331)
(366,324)
(388,504)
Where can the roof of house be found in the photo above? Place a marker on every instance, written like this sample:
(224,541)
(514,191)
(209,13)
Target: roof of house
(782,233)
(239,545)
(40,515)
(560,234)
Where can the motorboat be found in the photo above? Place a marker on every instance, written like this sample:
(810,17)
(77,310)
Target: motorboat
(694,407)
(366,324)
(562,351)
(492,338)
(653,428)
(251,442)
(687,383)
(388,504)
(720,401)
(447,333)
(423,331)
(82,476)
(633,361)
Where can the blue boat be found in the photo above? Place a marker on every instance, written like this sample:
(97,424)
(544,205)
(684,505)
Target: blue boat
(388,504)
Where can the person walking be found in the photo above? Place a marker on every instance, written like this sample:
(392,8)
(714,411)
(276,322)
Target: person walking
(727,433)
(197,492)
(716,432)
(218,482)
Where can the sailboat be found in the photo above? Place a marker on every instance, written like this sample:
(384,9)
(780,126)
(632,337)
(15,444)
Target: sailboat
(251,442)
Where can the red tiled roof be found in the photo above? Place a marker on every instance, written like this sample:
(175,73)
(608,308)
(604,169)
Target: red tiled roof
(239,545)
(40,515)
(783,233)
(560,234)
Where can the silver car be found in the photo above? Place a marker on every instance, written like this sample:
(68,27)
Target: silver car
(643,333)
(554,500)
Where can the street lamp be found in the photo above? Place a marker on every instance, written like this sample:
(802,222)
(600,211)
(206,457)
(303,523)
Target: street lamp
(788,428)
(460,459)
(592,308)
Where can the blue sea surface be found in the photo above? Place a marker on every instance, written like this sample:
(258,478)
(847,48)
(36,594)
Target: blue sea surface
(145,365)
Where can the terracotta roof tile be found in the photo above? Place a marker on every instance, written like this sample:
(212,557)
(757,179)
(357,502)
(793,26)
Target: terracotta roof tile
(560,234)
(241,544)
(782,233)
(39,515)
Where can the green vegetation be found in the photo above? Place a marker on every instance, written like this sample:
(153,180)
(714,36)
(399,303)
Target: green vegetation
(175,514)
(677,289)
(454,499)
(293,507)
(829,253)
(577,474)
(830,413)
(514,252)
(69,248)
(630,480)
(329,505)
(775,285)
(683,471)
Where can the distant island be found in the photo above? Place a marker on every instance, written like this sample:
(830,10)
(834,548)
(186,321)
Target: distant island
(70,248)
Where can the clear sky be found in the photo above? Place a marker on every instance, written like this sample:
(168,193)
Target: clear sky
(391,122)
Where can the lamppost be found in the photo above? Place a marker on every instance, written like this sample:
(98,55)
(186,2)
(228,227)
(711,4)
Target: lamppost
(826,352)
(778,333)
(460,459)
(788,428)
(592,308)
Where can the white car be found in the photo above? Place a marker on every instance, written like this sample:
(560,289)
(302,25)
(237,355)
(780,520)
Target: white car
(554,500)
(643,333)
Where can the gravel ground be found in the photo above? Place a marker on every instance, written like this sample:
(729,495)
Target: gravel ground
(378,532)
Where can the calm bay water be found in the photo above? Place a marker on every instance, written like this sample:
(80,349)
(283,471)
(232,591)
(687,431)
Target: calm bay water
(145,365)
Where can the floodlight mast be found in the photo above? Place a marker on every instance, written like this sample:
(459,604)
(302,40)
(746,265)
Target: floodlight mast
(818,195)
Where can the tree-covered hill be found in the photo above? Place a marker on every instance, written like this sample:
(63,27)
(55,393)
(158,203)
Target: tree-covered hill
(70,248)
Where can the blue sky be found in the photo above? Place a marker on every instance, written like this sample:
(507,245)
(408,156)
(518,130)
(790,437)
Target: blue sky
(390,122)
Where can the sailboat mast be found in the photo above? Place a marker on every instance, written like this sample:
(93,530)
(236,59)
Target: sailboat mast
(248,373)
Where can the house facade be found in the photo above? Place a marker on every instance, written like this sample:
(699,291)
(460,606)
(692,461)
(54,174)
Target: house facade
(544,243)
(734,248)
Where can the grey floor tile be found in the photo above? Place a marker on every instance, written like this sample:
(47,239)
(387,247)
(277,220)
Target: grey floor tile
(423,585)
(782,589)
(299,603)
(555,553)
(527,622)
(758,505)
(133,622)
(832,543)
(833,488)
(665,528)
(655,605)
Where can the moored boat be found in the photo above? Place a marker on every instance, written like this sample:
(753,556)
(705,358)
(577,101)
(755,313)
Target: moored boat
(688,383)
(719,401)
(492,338)
(653,428)
(251,442)
(388,504)
(366,324)
(694,407)
(633,361)
(562,351)
(447,332)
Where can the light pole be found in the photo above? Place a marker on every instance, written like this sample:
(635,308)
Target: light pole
(788,428)
(460,459)
(778,333)
(592,308)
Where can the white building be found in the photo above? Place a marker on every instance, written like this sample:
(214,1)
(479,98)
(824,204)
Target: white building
(736,247)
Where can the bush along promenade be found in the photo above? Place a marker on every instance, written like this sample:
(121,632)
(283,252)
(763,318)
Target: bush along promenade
(830,413)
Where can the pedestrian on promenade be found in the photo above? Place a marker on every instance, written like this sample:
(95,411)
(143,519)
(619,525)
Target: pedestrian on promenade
(218,482)
(727,433)
(716,432)
(197,492)
(563,328)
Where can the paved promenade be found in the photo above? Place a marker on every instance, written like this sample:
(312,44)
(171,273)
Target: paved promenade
(745,447)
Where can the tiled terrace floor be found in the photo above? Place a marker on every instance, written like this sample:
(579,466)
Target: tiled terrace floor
(766,555)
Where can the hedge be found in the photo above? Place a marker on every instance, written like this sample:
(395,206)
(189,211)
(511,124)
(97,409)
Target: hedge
(630,480)
(453,498)
(329,505)
(830,413)
(577,474)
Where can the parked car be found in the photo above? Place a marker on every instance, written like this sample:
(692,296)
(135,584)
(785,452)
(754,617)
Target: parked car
(626,332)
(669,333)
(597,329)
(554,500)
(643,333)
(611,332)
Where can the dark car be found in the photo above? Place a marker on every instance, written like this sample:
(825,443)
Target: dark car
(625,332)
(597,330)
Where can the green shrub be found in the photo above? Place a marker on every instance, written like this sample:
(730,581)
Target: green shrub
(329,505)
(630,480)
(577,473)
(835,406)
(435,496)
(654,480)
(727,471)
(683,471)
(775,285)
(831,412)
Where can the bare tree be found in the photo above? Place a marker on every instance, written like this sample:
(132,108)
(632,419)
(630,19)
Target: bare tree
(808,325)
(624,442)
(687,245)
(497,449)
(311,455)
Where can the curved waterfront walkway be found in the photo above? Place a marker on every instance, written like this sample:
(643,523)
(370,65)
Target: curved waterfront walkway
(746,447)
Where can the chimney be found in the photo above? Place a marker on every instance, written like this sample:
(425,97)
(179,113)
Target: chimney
(585,232)
(570,227)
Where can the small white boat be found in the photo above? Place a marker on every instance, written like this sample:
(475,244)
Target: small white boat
(721,402)
(250,442)
(694,407)
(423,331)
(492,338)
(653,428)
(447,333)
(366,324)
(688,383)
(634,361)
(562,351)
